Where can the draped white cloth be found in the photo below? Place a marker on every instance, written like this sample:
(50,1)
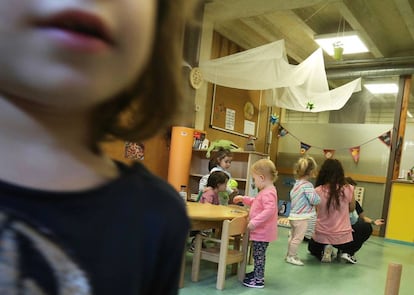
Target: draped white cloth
(294,87)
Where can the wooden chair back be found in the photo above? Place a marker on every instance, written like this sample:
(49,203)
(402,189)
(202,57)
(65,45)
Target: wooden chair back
(233,248)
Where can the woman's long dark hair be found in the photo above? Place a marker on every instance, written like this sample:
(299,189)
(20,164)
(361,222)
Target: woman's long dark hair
(332,175)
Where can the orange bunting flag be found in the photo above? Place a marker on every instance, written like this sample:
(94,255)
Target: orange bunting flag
(304,147)
(355,153)
(329,153)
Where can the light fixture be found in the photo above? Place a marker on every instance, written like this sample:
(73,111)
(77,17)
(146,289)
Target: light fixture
(382,88)
(350,41)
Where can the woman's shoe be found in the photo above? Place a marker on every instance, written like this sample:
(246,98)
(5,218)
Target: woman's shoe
(327,254)
(348,258)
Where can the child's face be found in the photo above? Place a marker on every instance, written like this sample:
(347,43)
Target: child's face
(222,187)
(225,163)
(72,53)
(259,180)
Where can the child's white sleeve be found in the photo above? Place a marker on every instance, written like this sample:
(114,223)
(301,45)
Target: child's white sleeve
(203,183)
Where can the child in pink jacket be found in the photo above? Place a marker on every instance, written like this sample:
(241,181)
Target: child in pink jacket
(262,218)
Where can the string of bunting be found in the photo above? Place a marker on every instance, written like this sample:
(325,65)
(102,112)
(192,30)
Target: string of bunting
(329,153)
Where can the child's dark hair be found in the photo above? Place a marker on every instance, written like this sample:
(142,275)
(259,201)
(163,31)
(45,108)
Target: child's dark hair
(216,178)
(305,166)
(150,103)
(332,174)
(218,155)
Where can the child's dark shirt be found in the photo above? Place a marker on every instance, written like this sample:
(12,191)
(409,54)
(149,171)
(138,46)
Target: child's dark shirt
(125,237)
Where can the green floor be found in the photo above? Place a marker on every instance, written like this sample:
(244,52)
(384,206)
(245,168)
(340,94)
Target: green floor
(366,277)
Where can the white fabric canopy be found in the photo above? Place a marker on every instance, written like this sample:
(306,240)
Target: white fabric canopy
(288,86)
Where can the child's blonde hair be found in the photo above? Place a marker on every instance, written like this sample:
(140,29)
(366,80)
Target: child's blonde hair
(265,167)
(305,166)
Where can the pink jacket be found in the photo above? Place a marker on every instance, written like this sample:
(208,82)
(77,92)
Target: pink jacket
(263,214)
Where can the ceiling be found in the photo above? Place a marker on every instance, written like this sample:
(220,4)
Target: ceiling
(385,26)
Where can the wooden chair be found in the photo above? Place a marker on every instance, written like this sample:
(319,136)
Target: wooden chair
(250,256)
(229,251)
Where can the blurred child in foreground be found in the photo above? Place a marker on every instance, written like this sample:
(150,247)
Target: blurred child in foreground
(73,72)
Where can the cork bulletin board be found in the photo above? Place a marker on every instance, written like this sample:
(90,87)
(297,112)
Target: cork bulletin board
(235,110)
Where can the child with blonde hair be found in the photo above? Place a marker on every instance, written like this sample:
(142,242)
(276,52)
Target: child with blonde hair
(303,200)
(262,218)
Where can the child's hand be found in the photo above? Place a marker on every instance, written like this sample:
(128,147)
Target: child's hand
(251,226)
(238,199)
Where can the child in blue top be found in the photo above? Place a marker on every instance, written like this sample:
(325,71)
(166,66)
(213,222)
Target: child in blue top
(303,200)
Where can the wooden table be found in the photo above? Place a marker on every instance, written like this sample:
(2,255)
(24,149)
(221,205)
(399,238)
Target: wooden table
(206,216)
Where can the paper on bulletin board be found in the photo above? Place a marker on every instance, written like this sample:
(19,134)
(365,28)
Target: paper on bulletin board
(249,127)
(230,118)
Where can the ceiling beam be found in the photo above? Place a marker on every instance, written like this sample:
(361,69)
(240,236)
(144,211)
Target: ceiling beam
(407,14)
(297,34)
(350,18)
(240,33)
(222,10)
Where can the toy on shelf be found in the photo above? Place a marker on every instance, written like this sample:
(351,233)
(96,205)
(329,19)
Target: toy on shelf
(250,144)
(224,143)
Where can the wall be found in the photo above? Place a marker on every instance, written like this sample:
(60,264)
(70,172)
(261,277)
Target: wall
(370,172)
(213,46)
(407,159)
(214,134)
(156,154)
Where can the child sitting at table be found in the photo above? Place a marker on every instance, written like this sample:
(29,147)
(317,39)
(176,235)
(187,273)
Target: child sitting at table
(217,182)
(220,161)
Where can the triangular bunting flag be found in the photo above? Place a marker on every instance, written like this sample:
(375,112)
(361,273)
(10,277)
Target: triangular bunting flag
(386,138)
(304,147)
(328,153)
(281,131)
(355,153)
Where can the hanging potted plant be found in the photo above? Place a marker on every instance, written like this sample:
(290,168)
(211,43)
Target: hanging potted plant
(338,47)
